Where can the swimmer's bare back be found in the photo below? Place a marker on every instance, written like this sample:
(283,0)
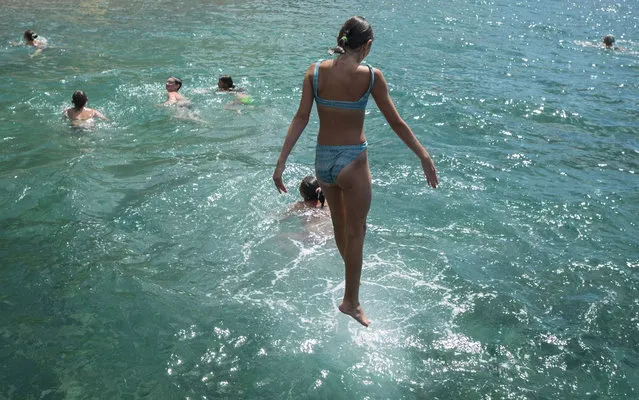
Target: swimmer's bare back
(84,114)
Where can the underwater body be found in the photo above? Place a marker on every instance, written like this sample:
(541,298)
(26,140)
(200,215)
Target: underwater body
(150,256)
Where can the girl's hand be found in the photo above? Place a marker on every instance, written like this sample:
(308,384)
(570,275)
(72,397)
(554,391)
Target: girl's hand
(277,178)
(431,173)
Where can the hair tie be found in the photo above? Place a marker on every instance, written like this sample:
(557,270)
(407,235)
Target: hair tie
(320,196)
(344,39)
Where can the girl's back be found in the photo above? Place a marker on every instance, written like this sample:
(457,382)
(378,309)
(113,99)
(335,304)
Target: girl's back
(339,81)
(342,82)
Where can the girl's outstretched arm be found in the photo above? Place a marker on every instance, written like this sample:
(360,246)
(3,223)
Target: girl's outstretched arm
(401,129)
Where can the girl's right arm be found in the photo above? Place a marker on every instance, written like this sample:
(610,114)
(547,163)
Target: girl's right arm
(295,129)
(399,126)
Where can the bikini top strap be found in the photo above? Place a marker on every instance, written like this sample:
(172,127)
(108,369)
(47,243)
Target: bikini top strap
(316,76)
(370,87)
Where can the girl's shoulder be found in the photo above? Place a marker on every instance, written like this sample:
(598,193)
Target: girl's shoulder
(378,75)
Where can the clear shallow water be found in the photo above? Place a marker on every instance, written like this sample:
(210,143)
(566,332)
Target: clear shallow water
(151,257)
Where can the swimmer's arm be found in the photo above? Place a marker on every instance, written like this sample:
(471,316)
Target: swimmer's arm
(385,104)
(99,115)
(295,129)
(35,53)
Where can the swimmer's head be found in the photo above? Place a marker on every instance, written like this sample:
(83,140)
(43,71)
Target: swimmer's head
(310,190)
(355,33)
(79,99)
(30,35)
(608,40)
(173,84)
(225,82)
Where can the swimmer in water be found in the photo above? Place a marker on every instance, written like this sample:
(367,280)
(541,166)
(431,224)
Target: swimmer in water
(609,42)
(172,86)
(311,192)
(312,211)
(30,38)
(225,84)
(79,114)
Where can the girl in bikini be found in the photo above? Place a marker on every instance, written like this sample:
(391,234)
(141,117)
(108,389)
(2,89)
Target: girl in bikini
(341,88)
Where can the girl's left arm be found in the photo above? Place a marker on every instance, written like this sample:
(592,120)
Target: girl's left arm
(401,129)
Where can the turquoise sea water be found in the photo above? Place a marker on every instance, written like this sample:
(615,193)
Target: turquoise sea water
(151,257)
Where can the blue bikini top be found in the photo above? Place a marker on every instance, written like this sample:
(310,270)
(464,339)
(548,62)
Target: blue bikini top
(346,105)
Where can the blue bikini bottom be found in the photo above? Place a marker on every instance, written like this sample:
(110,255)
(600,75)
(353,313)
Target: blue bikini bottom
(331,160)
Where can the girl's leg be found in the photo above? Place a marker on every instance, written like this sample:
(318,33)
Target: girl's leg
(333,195)
(355,184)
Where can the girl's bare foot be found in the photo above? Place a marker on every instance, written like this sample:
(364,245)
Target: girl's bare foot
(356,312)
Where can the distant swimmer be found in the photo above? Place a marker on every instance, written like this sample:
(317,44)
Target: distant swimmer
(609,43)
(31,39)
(173,86)
(80,114)
(225,84)
(608,40)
